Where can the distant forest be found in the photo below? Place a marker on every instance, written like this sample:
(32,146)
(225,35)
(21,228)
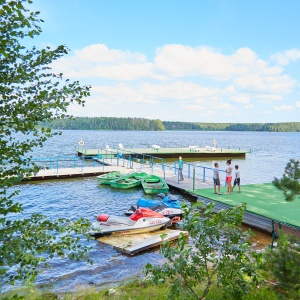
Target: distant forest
(109,123)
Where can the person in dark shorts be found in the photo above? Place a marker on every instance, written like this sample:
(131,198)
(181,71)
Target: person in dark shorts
(216,178)
(237,179)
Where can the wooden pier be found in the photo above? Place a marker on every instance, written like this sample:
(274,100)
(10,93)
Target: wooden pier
(188,152)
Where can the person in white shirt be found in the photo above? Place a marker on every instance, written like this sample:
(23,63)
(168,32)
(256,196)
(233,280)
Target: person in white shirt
(216,178)
(229,177)
(237,179)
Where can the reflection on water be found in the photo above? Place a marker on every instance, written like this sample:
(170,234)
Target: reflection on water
(76,198)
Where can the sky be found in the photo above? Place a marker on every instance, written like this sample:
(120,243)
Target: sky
(234,61)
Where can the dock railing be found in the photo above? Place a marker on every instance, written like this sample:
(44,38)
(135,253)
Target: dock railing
(195,175)
(198,174)
(55,163)
(133,160)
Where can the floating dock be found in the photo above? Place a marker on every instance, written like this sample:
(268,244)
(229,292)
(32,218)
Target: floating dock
(65,173)
(194,152)
(133,244)
(266,207)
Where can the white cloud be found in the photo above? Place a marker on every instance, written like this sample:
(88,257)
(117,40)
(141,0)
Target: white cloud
(98,61)
(241,99)
(286,57)
(101,53)
(267,84)
(179,77)
(283,108)
(182,61)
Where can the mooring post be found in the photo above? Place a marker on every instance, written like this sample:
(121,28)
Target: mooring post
(189,170)
(194,175)
(204,174)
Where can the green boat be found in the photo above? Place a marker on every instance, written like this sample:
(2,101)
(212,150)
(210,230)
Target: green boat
(126,182)
(154,185)
(108,177)
(139,175)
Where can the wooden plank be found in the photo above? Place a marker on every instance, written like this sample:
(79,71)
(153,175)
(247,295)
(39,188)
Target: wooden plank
(132,244)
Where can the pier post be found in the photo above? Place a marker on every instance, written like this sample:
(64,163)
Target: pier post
(204,174)
(174,167)
(194,175)
(189,171)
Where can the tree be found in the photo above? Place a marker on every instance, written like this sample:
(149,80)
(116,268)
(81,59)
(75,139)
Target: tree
(29,93)
(289,184)
(282,265)
(218,253)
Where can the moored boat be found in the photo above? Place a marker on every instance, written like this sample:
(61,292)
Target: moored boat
(108,177)
(126,182)
(140,175)
(153,184)
(143,220)
(170,208)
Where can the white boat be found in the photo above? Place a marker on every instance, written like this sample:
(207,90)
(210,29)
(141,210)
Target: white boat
(143,220)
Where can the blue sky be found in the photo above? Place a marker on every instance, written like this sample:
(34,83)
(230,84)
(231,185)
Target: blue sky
(192,60)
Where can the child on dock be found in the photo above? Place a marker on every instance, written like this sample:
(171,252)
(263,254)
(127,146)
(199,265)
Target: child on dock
(216,178)
(229,176)
(237,179)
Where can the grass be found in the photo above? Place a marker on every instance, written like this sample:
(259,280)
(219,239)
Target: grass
(135,290)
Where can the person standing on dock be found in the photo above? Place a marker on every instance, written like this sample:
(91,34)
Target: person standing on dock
(229,176)
(216,178)
(237,179)
(180,167)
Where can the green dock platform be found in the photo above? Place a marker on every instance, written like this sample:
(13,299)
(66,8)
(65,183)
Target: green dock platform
(194,152)
(263,200)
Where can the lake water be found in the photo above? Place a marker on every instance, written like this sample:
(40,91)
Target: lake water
(74,198)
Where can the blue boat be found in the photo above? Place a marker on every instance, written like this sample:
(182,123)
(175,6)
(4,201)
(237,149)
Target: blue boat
(168,207)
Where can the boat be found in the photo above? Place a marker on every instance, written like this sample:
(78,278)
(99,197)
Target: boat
(153,184)
(108,177)
(170,208)
(140,175)
(127,181)
(143,220)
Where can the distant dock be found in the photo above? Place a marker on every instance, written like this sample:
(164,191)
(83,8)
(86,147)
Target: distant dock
(187,152)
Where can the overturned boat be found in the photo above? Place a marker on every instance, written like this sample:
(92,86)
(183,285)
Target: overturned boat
(142,220)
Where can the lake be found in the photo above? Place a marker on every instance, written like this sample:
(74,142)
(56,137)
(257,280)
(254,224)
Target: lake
(74,198)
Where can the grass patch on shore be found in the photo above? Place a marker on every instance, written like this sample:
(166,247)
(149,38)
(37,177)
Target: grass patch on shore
(135,290)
